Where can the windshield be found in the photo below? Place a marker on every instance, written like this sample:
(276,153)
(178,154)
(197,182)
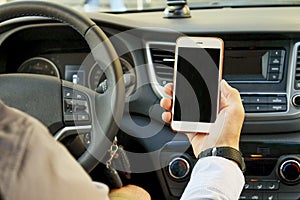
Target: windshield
(140,5)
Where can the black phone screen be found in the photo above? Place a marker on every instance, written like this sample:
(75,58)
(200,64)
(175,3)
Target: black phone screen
(197,79)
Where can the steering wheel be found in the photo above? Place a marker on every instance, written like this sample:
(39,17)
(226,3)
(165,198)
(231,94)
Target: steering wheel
(44,97)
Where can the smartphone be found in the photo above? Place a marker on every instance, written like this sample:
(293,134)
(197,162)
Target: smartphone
(197,75)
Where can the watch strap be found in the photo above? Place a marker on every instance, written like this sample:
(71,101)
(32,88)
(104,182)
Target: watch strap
(225,152)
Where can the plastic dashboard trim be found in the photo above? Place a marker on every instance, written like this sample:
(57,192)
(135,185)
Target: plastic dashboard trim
(291,113)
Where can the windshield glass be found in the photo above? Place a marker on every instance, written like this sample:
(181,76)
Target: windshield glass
(140,5)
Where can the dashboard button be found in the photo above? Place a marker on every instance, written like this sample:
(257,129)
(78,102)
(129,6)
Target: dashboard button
(256,196)
(273,76)
(245,196)
(259,99)
(270,196)
(259,185)
(256,108)
(274,68)
(245,99)
(277,100)
(275,60)
(272,185)
(254,99)
(248,186)
(277,108)
(276,53)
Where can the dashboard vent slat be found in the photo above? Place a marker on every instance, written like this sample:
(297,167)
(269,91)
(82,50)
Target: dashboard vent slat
(163,62)
(297,74)
(297,70)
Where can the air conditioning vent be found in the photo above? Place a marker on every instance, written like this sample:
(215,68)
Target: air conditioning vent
(297,71)
(163,62)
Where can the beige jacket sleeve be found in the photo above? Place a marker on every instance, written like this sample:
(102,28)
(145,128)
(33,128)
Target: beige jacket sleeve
(33,166)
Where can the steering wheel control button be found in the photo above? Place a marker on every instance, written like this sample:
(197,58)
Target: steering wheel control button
(179,168)
(83,117)
(70,118)
(76,107)
(79,96)
(87,138)
(289,171)
(68,93)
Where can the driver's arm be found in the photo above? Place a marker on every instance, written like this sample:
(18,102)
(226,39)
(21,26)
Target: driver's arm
(34,166)
(215,177)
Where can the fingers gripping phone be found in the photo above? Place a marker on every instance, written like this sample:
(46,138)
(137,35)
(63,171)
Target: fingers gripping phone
(197,74)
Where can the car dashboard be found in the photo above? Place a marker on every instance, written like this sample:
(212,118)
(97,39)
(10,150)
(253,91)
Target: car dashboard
(262,60)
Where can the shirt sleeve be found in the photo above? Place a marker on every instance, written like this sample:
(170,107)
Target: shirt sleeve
(214,178)
(34,166)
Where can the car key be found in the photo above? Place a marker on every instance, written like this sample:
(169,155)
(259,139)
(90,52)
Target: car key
(121,162)
(113,178)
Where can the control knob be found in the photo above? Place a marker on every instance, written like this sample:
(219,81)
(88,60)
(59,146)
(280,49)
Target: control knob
(289,171)
(296,100)
(179,168)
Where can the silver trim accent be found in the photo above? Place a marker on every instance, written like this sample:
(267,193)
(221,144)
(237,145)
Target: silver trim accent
(294,100)
(157,88)
(60,135)
(281,170)
(267,82)
(214,151)
(43,59)
(187,168)
(293,111)
(168,60)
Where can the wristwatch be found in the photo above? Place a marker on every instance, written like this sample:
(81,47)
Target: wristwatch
(225,152)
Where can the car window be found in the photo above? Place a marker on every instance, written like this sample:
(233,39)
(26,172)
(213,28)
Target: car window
(144,5)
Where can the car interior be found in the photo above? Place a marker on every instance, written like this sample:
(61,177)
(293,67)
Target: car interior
(95,79)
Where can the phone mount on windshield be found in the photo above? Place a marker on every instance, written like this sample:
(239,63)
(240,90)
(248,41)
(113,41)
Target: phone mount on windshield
(177,9)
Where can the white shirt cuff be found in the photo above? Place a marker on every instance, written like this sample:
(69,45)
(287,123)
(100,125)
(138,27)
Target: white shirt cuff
(214,177)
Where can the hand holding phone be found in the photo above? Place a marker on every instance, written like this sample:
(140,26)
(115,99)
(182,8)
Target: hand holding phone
(197,74)
(227,128)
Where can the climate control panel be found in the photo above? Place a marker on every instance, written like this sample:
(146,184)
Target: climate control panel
(272,169)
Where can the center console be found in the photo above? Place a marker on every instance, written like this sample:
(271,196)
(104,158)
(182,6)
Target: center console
(272,169)
(267,75)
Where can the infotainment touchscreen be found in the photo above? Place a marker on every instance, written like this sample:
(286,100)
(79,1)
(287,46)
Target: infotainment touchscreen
(253,64)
